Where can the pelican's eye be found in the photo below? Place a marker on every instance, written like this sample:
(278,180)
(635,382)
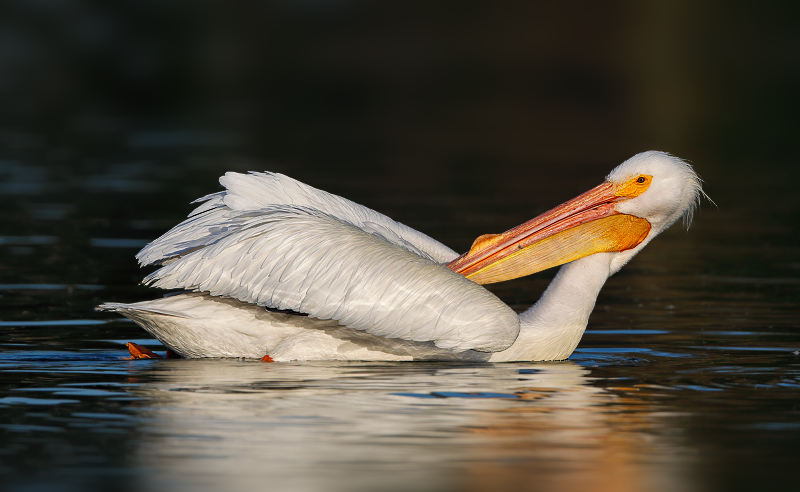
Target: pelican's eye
(634,186)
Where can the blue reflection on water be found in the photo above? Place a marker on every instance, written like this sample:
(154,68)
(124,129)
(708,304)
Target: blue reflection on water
(21,400)
(100,242)
(629,350)
(72,391)
(59,322)
(452,394)
(626,332)
(27,240)
(755,349)
(30,428)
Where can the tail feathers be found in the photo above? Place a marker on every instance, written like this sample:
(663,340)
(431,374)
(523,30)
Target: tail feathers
(125,309)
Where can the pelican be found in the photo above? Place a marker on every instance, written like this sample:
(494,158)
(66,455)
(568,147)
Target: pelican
(274,269)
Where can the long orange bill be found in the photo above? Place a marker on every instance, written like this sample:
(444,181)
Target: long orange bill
(582,226)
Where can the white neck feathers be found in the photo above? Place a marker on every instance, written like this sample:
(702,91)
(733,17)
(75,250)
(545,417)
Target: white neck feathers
(552,328)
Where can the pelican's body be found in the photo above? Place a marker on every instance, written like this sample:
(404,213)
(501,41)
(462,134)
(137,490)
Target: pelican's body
(277,268)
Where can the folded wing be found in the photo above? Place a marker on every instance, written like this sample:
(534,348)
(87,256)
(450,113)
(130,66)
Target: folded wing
(271,240)
(303,259)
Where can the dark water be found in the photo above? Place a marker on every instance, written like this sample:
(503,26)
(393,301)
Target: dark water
(455,122)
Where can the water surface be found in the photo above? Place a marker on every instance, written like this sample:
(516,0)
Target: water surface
(655,398)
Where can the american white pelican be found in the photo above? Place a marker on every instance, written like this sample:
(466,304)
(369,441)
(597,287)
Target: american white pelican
(276,268)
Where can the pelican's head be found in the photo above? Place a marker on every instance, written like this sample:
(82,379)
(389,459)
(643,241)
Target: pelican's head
(671,188)
(639,199)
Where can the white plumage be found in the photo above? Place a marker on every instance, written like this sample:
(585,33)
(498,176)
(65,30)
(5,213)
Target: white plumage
(371,288)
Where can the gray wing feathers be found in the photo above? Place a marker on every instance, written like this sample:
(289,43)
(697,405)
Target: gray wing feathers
(306,260)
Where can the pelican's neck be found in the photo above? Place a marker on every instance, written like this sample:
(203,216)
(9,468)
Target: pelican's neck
(552,328)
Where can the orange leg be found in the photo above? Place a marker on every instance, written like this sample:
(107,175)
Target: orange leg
(171,355)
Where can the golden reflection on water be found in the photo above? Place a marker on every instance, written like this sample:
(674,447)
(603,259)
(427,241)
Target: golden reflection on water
(334,426)
(596,441)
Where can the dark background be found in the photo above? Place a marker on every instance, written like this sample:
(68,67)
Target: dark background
(459,119)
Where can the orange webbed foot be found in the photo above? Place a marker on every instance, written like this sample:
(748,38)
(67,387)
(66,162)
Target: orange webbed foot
(139,352)
(267,358)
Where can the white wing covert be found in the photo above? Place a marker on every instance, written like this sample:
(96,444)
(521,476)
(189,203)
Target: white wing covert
(255,191)
(303,259)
